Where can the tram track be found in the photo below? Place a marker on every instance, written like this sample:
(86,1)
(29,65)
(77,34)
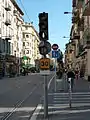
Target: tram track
(13,114)
(18,105)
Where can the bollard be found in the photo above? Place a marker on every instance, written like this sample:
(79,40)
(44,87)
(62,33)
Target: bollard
(70,93)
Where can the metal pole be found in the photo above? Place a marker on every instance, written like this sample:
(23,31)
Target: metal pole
(70,94)
(55,76)
(45,97)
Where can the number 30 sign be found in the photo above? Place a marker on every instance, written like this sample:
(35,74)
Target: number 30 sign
(44,63)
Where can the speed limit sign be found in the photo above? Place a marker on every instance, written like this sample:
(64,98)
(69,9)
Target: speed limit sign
(44,63)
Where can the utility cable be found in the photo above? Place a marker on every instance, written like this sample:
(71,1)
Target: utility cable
(24,10)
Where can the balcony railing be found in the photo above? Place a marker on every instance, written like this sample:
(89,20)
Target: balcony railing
(75,17)
(8,22)
(8,37)
(8,7)
(76,35)
(86,8)
(79,3)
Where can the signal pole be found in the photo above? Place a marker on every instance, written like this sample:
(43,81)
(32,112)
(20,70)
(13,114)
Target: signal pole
(44,48)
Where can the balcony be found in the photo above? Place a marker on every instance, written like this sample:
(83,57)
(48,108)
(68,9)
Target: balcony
(86,8)
(79,3)
(76,35)
(8,22)
(73,3)
(15,12)
(86,37)
(8,38)
(75,17)
(86,43)
(81,24)
(80,50)
(8,7)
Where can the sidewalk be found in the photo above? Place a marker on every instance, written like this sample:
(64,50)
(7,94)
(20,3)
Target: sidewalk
(58,103)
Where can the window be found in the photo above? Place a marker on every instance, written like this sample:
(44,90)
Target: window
(24,52)
(23,35)
(3,13)
(27,36)
(3,29)
(14,20)
(26,28)
(30,36)
(27,52)
(23,43)
(27,43)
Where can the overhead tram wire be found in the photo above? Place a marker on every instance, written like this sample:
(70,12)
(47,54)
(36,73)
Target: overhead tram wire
(25,10)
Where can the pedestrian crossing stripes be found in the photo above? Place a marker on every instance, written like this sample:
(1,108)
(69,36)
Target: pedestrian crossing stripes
(76,98)
(80,102)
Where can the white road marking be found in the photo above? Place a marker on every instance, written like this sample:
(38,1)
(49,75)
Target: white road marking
(77,93)
(74,105)
(50,81)
(38,108)
(3,109)
(61,98)
(66,112)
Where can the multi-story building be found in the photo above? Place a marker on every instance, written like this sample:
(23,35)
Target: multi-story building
(30,44)
(80,35)
(69,55)
(10,34)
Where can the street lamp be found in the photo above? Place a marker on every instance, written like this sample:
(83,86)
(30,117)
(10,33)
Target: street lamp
(67,12)
(65,37)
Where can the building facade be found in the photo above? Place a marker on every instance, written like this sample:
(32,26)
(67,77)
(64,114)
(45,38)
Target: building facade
(10,35)
(30,43)
(80,35)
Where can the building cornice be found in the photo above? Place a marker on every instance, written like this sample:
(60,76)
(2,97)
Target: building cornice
(16,5)
(30,25)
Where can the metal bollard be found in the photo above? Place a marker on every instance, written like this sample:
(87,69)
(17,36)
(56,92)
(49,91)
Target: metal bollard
(70,93)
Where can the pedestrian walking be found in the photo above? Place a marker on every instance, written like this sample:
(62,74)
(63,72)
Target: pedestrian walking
(76,74)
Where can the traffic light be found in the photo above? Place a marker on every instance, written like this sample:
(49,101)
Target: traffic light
(43,26)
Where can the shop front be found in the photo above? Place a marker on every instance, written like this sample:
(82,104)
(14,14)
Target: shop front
(11,65)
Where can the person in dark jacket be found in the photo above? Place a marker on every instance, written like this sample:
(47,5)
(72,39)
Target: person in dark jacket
(71,74)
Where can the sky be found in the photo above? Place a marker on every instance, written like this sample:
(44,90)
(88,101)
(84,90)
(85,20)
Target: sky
(59,23)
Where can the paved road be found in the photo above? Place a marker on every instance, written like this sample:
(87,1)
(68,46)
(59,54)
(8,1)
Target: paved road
(20,96)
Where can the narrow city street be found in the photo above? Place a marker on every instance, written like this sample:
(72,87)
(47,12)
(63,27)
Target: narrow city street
(20,96)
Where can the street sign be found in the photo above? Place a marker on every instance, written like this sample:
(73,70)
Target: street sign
(44,63)
(48,45)
(44,47)
(55,47)
(55,54)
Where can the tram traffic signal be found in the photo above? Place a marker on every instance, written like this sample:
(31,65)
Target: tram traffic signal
(43,26)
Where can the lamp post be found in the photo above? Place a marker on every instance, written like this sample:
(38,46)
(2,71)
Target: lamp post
(65,37)
(67,12)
